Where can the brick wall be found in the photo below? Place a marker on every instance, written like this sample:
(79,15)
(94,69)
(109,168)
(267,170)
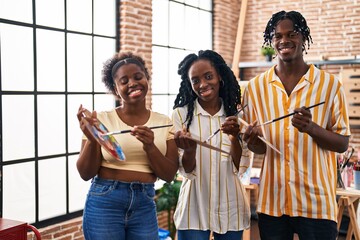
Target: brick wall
(135,31)
(72,229)
(335,29)
(334,25)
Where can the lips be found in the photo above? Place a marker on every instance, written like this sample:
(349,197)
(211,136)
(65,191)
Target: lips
(205,92)
(135,92)
(285,49)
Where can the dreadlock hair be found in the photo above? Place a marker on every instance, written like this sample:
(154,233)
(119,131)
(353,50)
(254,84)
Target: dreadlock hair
(114,63)
(229,91)
(299,22)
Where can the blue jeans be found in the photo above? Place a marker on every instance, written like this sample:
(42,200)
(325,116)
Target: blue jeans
(204,235)
(118,210)
(284,227)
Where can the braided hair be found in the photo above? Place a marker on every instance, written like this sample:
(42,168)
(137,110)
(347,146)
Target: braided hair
(299,22)
(114,63)
(229,91)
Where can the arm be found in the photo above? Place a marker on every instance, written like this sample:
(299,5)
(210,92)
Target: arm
(187,147)
(231,127)
(89,161)
(90,157)
(188,159)
(326,139)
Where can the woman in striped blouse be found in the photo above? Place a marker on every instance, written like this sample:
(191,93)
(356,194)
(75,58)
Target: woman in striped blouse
(212,197)
(298,187)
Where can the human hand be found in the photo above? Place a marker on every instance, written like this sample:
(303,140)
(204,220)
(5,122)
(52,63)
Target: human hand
(302,120)
(86,118)
(231,126)
(252,133)
(182,141)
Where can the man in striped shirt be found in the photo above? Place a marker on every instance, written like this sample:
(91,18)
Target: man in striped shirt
(297,187)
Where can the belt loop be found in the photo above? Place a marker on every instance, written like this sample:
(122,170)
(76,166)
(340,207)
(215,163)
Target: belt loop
(137,186)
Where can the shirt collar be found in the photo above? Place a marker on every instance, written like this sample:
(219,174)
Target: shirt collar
(198,110)
(310,75)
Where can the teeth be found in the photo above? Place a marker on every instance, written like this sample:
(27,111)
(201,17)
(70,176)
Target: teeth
(136,91)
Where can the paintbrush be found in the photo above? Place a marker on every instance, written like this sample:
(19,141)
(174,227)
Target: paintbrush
(212,135)
(129,130)
(288,115)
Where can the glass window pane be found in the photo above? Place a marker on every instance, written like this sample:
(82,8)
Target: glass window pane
(78,188)
(205,30)
(176,25)
(19,192)
(163,104)
(50,49)
(104,21)
(9,9)
(50,13)
(205,4)
(51,124)
(104,102)
(192,34)
(160,75)
(74,132)
(17,127)
(79,63)
(104,48)
(16,41)
(76,23)
(160,22)
(175,57)
(52,184)
(194,3)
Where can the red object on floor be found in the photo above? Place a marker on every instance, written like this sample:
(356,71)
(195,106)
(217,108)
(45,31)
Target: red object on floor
(16,230)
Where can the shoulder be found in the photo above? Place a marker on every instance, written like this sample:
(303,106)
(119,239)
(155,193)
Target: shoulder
(107,114)
(180,111)
(323,75)
(159,117)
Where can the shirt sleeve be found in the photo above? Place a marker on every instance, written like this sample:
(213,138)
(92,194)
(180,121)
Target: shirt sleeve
(178,119)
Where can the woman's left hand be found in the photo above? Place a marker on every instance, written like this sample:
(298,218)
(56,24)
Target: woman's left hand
(231,126)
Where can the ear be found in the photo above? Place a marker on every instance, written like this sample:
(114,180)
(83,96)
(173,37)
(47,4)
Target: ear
(115,90)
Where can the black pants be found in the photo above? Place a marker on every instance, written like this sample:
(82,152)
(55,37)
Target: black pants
(284,227)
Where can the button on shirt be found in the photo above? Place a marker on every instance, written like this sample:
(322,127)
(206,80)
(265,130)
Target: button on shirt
(212,196)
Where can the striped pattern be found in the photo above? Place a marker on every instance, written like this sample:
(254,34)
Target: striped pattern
(302,181)
(212,196)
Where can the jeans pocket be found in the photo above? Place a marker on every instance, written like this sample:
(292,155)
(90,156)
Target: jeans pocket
(149,193)
(99,189)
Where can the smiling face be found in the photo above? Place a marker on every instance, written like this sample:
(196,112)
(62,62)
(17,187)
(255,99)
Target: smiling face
(287,42)
(204,80)
(131,83)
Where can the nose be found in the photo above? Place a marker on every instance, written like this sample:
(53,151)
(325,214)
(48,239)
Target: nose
(203,82)
(132,82)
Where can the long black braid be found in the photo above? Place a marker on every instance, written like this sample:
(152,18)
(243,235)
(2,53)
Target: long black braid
(229,89)
(299,22)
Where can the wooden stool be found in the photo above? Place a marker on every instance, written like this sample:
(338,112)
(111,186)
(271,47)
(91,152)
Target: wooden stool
(349,198)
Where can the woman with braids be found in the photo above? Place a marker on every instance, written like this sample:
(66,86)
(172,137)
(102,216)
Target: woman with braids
(120,202)
(212,197)
(298,187)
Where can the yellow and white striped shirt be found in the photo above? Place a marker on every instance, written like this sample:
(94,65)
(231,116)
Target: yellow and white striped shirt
(212,196)
(302,181)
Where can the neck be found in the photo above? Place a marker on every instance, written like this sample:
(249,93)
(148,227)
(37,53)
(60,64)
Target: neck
(133,109)
(291,68)
(212,107)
